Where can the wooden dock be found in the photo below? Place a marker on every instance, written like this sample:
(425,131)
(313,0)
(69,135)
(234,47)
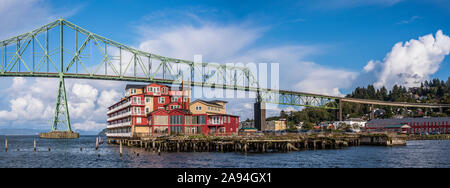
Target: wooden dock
(261,144)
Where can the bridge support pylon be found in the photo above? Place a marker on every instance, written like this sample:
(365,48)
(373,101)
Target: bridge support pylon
(340,110)
(260,115)
(372,112)
(62,117)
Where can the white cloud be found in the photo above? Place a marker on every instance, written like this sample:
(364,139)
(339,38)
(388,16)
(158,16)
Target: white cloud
(89,126)
(409,63)
(232,43)
(26,108)
(324,80)
(212,41)
(370,66)
(85,91)
(17,17)
(410,20)
(107,97)
(33,99)
(339,4)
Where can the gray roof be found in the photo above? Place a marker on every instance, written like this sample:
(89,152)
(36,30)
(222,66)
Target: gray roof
(129,86)
(210,102)
(388,122)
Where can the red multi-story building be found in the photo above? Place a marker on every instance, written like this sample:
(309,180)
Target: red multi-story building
(154,109)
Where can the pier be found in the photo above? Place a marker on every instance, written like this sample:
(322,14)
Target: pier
(60,135)
(259,144)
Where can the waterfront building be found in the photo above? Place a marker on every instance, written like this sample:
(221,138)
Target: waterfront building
(355,124)
(275,125)
(155,109)
(435,125)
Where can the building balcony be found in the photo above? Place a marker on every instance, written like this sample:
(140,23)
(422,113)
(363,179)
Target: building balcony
(119,107)
(119,116)
(214,123)
(139,114)
(125,124)
(119,134)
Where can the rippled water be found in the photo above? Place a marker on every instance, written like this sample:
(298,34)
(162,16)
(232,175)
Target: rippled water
(66,153)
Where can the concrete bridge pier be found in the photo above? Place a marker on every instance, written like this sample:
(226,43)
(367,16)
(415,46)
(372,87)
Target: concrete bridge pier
(372,113)
(260,115)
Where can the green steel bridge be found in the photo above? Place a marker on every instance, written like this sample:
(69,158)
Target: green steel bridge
(62,50)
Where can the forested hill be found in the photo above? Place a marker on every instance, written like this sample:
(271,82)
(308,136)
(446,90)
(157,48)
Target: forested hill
(434,91)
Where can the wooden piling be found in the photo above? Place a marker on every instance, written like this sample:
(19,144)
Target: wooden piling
(263,148)
(34,142)
(6,144)
(96,143)
(159,150)
(120,148)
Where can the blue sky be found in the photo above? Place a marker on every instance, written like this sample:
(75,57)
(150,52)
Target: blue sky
(327,47)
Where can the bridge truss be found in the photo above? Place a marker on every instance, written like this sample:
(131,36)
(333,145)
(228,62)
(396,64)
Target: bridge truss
(62,50)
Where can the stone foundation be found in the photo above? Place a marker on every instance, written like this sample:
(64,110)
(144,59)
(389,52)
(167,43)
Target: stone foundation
(383,140)
(60,135)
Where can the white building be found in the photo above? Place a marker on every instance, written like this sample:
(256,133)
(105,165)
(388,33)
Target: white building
(356,124)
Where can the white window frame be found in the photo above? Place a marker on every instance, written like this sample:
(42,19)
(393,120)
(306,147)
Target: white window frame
(138,100)
(161,100)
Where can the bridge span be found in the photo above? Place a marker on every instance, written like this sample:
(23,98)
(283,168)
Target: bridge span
(62,50)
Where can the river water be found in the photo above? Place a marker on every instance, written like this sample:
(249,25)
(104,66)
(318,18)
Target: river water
(67,153)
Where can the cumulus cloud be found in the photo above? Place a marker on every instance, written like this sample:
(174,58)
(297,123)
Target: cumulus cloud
(85,91)
(26,108)
(233,43)
(409,63)
(89,126)
(33,100)
(324,80)
(17,17)
(210,40)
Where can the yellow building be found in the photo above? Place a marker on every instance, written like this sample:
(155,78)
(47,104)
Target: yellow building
(276,125)
(208,107)
(134,90)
